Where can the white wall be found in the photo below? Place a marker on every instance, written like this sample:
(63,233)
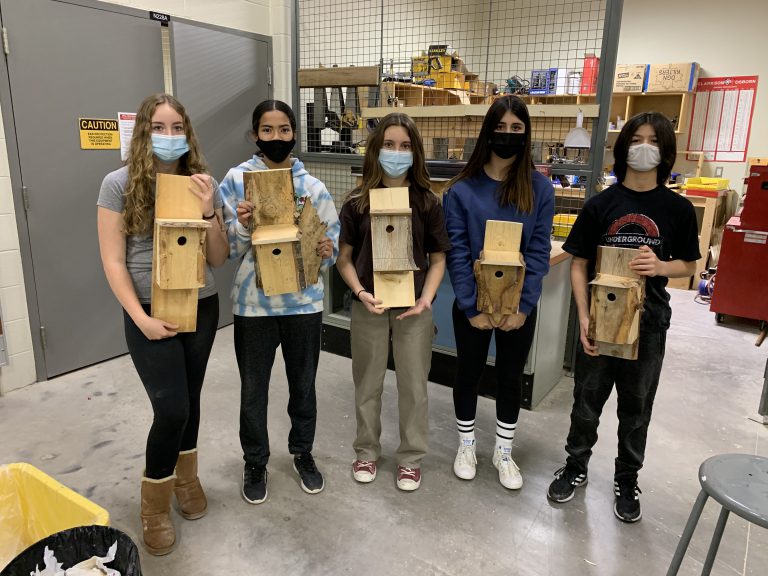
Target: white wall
(267,17)
(726,38)
(21,361)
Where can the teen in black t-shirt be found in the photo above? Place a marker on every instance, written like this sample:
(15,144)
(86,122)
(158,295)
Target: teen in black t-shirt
(639,212)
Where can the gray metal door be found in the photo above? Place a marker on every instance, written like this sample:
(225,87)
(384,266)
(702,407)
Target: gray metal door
(68,61)
(220,76)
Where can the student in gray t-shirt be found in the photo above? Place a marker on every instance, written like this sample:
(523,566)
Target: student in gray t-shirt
(171,365)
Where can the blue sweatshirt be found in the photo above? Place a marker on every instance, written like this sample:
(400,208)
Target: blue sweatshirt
(471,202)
(248,300)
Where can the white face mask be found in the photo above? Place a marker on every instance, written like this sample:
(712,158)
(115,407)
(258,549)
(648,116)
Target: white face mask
(643,157)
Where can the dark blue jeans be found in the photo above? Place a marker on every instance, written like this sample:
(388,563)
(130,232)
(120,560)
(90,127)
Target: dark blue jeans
(172,371)
(256,340)
(636,383)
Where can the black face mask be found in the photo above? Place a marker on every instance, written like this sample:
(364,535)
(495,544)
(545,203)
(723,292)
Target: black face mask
(507,144)
(276,150)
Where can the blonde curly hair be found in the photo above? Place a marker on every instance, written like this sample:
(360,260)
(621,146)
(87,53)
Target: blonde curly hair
(138,214)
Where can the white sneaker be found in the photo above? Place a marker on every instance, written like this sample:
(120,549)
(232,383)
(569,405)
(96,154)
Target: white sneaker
(509,473)
(465,463)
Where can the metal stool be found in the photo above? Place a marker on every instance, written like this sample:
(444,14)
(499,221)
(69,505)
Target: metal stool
(739,483)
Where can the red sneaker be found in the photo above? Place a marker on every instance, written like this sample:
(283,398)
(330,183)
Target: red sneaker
(364,470)
(408,479)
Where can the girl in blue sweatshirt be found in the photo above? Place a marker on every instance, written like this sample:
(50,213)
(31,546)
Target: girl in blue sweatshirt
(499,182)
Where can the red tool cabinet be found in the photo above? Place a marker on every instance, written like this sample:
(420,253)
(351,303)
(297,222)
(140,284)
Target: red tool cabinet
(741,283)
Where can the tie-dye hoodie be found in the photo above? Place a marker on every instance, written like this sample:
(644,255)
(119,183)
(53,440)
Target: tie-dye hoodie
(248,300)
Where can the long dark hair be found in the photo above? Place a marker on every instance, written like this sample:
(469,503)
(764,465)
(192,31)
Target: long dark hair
(517,187)
(269,106)
(372,171)
(665,139)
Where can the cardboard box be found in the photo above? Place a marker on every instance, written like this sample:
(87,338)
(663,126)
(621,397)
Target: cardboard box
(629,77)
(677,77)
(450,80)
(420,66)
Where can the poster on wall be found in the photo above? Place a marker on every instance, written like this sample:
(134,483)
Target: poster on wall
(126,121)
(722,118)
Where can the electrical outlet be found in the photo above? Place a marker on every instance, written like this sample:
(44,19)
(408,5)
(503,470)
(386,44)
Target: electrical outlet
(718,171)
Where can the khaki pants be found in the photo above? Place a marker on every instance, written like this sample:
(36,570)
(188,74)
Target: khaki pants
(412,351)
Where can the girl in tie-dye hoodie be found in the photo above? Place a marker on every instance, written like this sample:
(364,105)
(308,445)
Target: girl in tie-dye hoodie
(262,323)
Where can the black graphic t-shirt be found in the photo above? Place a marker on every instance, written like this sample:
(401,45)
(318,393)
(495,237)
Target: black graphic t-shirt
(622,218)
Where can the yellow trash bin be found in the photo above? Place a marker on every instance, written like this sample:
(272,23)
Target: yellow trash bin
(33,506)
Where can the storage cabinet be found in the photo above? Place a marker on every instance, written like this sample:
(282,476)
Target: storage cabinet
(674,105)
(710,215)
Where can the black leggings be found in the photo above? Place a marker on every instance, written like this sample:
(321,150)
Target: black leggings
(172,371)
(471,355)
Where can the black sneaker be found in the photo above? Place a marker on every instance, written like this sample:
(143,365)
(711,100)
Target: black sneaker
(311,479)
(254,483)
(627,505)
(565,483)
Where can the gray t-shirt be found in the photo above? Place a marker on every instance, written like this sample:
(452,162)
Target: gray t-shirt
(138,248)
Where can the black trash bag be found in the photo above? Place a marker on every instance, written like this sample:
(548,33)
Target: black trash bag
(75,545)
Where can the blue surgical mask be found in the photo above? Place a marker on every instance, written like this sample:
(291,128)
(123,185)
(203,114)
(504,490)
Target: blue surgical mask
(169,148)
(395,164)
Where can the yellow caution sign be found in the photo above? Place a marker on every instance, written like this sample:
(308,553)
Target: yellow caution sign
(99,134)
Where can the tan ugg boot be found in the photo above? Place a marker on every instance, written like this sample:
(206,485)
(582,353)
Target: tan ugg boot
(159,535)
(189,493)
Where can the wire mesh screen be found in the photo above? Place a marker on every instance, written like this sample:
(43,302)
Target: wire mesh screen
(337,177)
(443,62)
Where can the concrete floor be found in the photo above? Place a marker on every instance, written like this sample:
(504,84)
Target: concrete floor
(88,430)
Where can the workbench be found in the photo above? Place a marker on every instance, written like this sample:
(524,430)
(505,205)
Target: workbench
(544,367)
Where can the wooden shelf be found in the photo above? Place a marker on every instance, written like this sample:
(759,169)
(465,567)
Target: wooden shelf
(429,102)
(560,98)
(671,104)
(710,215)
(677,132)
(459,110)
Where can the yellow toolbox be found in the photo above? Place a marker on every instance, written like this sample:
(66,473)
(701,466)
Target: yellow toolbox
(562,224)
(33,506)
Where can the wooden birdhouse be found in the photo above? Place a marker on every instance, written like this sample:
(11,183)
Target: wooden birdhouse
(392,242)
(277,250)
(311,231)
(180,253)
(272,195)
(285,253)
(617,300)
(500,271)
(178,258)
